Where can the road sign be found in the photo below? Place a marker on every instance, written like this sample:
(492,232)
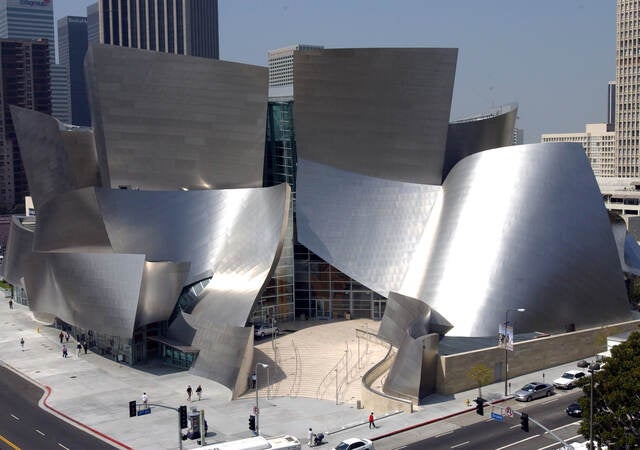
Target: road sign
(142,412)
(496,416)
(508,411)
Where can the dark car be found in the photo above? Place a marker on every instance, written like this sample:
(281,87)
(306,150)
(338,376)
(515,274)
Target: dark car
(574,410)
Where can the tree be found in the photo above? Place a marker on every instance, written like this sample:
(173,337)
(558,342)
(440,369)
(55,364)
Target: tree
(616,397)
(480,375)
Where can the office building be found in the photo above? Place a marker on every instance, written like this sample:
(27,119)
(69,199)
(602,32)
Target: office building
(72,46)
(611,106)
(598,144)
(21,19)
(26,83)
(280,62)
(93,23)
(185,27)
(518,136)
(627,113)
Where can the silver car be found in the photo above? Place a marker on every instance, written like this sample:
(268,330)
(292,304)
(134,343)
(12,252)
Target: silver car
(533,390)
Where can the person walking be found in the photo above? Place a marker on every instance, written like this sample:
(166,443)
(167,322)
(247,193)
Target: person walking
(189,391)
(61,336)
(10,303)
(310,438)
(78,349)
(66,337)
(145,400)
(199,392)
(64,350)
(22,342)
(371,421)
(85,346)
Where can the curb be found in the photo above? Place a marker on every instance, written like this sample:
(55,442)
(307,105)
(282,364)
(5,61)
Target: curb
(438,419)
(357,424)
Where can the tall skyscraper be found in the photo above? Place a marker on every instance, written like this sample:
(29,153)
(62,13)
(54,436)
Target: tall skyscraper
(518,136)
(627,113)
(280,62)
(72,46)
(24,71)
(611,106)
(93,23)
(185,27)
(33,19)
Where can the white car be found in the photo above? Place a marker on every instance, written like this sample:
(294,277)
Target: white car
(265,330)
(354,443)
(569,379)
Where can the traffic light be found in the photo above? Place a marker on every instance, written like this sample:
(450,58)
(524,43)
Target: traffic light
(183,416)
(479,406)
(132,408)
(252,422)
(524,422)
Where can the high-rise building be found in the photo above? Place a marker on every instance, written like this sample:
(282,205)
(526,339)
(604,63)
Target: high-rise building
(598,143)
(93,23)
(21,19)
(185,27)
(518,136)
(280,62)
(24,70)
(627,114)
(72,46)
(611,106)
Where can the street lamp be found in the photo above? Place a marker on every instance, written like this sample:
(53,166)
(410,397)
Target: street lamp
(264,366)
(506,350)
(592,368)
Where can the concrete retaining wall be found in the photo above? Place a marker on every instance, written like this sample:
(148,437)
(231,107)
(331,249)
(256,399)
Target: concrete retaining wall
(379,401)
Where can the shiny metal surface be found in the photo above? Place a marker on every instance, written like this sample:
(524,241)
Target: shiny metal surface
(164,121)
(478,133)
(162,283)
(19,246)
(380,112)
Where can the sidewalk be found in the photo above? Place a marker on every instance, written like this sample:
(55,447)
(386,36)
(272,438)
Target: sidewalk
(94,391)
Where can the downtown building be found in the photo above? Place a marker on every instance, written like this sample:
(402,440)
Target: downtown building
(184,27)
(72,47)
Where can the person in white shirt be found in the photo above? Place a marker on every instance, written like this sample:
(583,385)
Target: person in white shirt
(145,400)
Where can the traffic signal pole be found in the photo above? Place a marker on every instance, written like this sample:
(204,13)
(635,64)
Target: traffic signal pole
(544,428)
(178,410)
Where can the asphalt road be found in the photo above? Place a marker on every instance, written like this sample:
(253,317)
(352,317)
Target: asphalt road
(24,425)
(469,432)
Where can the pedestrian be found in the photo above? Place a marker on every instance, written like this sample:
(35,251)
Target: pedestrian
(64,350)
(310,437)
(145,400)
(85,346)
(10,303)
(22,342)
(66,337)
(253,380)
(199,392)
(78,349)
(189,391)
(371,422)
(61,336)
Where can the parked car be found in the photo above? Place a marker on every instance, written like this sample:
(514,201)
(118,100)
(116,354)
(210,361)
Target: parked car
(265,330)
(354,443)
(574,410)
(569,379)
(533,390)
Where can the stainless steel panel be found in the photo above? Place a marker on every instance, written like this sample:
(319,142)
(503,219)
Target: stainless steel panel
(164,121)
(162,283)
(19,247)
(381,112)
(475,134)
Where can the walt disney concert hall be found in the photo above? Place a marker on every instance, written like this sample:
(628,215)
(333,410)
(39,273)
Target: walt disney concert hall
(164,196)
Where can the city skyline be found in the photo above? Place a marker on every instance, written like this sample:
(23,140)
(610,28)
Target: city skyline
(554,58)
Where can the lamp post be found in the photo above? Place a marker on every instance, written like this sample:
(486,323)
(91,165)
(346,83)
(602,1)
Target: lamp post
(264,366)
(592,368)
(506,350)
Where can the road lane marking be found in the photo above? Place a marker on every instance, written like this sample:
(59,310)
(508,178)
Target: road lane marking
(67,448)
(556,444)
(444,434)
(549,401)
(460,444)
(9,443)
(15,417)
(40,432)
(567,425)
(514,426)
(519,442)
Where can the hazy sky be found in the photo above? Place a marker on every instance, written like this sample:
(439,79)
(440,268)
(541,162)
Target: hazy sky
(553,57)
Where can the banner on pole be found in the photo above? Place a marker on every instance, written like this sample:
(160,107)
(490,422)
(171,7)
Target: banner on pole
(505,337)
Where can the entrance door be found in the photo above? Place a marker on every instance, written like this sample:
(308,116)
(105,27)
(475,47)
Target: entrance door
(323,309)
(378,309)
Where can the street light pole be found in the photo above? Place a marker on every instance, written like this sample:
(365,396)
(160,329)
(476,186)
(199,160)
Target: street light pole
(257,406)
(506,350)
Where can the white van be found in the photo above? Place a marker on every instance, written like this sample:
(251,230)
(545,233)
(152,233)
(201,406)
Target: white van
(285,442)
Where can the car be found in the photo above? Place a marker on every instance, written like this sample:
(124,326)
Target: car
(533,390)
(569,379)
(354,443)
(574,410)
(265,330)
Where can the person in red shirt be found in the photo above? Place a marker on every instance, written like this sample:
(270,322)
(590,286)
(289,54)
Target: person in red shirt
(371,422)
